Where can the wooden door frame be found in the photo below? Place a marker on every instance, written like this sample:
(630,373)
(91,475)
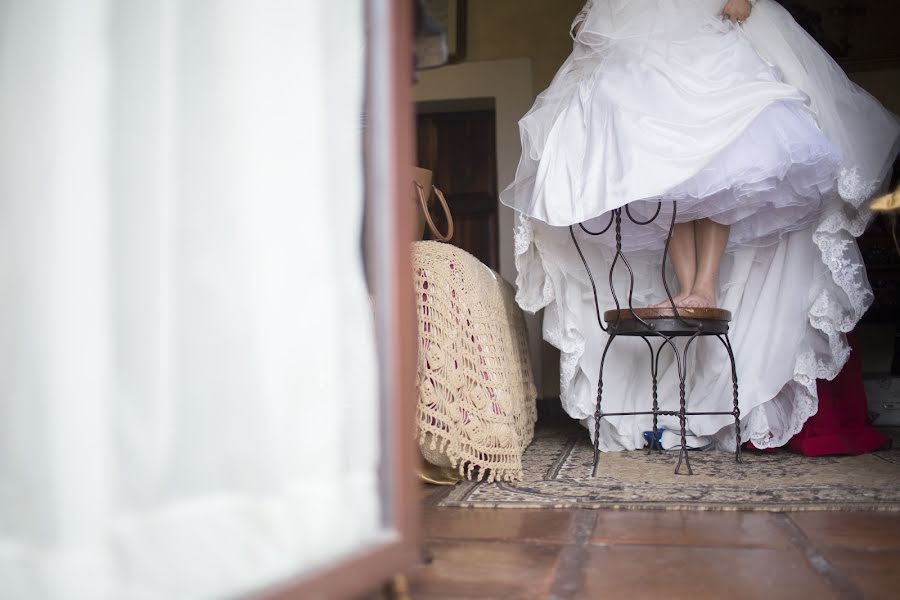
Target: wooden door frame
(389,226)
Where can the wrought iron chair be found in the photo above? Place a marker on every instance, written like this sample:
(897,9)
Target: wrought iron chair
(664,324)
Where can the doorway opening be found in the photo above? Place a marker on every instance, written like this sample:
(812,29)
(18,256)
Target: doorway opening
(456,139)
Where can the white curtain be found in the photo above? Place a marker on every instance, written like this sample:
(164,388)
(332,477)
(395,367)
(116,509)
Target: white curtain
(187,377)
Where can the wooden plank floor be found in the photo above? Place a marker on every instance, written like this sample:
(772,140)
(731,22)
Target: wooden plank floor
(511,554)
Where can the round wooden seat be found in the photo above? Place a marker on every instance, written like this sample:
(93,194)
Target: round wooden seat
(704,314)
(687,321)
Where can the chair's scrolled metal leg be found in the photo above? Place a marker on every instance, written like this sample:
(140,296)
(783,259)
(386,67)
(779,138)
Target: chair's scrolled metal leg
(654,440)
(597,417)
(737,409)
(682,420)
(654,366)
(598,413)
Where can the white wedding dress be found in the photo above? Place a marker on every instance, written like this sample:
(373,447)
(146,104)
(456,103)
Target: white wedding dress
(750,125)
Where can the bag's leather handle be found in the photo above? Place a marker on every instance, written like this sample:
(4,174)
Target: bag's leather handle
(424,202)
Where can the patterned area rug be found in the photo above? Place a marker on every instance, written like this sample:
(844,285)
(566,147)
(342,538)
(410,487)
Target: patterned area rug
(558,475)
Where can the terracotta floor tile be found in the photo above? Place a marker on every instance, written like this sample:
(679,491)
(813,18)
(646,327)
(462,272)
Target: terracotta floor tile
(874,531)
(689,528)
(486,571)
(512,554)
(498,524)
(699,573)
(875,573)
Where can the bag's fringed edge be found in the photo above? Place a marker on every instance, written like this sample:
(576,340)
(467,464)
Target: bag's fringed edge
(464,458)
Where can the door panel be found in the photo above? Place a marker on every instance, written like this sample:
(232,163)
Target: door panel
(460,147)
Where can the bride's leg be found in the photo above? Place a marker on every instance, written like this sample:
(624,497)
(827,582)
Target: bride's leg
(683,253)
(712,238)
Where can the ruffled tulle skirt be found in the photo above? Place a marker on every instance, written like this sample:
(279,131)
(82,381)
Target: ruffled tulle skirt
(771,181)
(754,127)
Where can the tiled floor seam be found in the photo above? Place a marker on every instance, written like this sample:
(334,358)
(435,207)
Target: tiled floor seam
(817,561)
(568,579)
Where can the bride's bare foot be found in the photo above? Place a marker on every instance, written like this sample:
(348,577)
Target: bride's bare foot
(699,300)
(679,301)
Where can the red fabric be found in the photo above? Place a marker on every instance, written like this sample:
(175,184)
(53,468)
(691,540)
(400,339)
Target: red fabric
(841,425)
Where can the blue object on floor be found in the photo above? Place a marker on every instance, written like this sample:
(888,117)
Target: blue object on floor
(648,435)
(659,434)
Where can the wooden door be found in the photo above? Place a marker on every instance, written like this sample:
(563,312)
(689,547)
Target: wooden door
(460,147)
